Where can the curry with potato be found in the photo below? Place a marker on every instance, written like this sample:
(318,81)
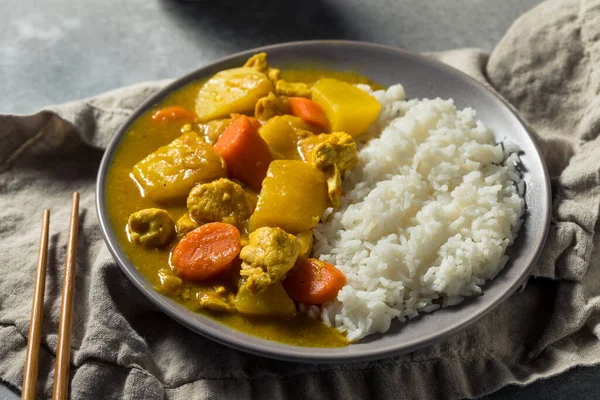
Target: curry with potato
(215,191)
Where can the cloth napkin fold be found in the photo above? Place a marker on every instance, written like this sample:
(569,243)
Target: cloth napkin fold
(547,66)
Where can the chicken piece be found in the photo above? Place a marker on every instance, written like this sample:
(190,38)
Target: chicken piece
(185,224)
(308,143)
(220,300)
(151,227)
(327,149)
(333,155)
(268,257)
(334,187)
(271,106)
(169,282)
(292,89)
(305,240)
(220,201)
(274,74)
(212,130)
(259,62)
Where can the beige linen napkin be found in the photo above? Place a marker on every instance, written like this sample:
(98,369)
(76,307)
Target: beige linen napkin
(547,67)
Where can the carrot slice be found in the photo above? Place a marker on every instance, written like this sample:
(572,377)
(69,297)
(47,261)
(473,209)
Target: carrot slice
(308,111)
(171,113)
(255,122)
(313,281)
(207,251)
(246,153)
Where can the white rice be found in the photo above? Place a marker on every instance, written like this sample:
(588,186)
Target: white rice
(426,215)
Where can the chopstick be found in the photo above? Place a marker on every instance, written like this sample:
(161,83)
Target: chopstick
(37,309)
(63,349)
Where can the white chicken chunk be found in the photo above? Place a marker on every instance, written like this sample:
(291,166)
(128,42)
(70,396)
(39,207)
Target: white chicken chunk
(269,255)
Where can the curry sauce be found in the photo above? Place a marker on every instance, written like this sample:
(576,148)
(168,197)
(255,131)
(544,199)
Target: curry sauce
(124,198)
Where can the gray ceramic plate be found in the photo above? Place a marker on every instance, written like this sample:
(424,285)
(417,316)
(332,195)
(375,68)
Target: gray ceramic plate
(421,78)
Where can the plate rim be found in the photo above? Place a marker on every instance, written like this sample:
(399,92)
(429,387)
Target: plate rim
(214,330)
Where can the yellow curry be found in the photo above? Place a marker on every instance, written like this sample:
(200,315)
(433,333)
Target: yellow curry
(215,193)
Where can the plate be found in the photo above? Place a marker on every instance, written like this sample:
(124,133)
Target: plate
(422,78)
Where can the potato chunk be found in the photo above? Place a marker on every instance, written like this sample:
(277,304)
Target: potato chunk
(283,133)
(168,174)
(231,91)
(273,301)
(348,108)
(151,227)
(293,197)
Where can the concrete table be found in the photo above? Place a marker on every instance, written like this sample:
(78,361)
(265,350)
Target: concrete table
(53,51)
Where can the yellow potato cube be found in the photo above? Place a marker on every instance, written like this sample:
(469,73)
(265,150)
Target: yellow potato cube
(293,197)
(273,301)
(348,108)
(168,174)
(231,91)
(283,133)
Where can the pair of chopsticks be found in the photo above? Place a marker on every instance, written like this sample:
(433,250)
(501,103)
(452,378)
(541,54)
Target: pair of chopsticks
(63,350)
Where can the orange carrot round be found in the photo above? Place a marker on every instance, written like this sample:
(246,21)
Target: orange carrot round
(256,123)
(171,113)
(246,153)
(206,251)
(313,281)
(308,111)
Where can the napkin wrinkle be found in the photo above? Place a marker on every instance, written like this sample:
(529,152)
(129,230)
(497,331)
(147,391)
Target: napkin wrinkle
(473,62)
(96,116)
(64,127)
(122,350)
(470,61)
(38,134)
(580,301)
(387,367)
(552,92)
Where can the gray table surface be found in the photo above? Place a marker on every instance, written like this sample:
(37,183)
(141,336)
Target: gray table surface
(53,51)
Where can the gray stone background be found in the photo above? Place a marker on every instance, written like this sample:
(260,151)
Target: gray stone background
(52,51)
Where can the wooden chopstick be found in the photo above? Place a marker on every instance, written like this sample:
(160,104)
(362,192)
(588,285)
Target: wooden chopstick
(63,349)
(37,310)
